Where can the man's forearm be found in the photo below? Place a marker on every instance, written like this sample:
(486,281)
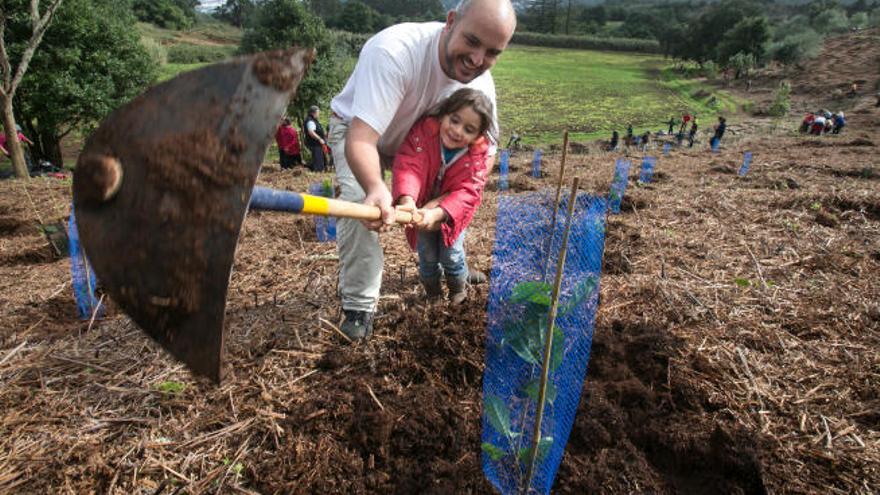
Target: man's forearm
(363,157)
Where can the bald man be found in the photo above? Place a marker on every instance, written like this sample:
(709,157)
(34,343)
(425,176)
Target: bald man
(401,73)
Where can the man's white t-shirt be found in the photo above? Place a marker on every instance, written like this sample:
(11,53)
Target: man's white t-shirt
(397,79)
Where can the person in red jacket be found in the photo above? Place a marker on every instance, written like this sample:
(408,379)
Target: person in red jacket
(288,144)
(439,172)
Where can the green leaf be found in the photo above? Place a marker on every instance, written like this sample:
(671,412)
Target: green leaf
(495,453)
(535,292)
(543,447)
(582,291)
(742,282)
(532,388)
(499,416)
(171,387)
(525,345)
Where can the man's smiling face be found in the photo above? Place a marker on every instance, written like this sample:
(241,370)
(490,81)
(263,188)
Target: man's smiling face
(473,40)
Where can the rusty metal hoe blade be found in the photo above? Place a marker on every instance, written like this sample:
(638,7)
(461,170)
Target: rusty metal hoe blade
(161,189)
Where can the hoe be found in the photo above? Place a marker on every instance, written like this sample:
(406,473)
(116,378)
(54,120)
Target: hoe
(162,187)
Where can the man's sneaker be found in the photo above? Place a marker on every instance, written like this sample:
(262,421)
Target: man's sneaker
(358,324)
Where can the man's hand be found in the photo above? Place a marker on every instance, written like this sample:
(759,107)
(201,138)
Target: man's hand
(380,196)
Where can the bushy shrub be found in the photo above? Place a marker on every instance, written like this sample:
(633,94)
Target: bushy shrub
(859,20)
(157,52)
(353,42)
(781,101)
(795,25)
(586,42)
(169,14)
(185,53)
(831,21)
(795,48)
(710,70)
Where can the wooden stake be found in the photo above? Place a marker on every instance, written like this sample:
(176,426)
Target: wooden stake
(548,339)
(555,205)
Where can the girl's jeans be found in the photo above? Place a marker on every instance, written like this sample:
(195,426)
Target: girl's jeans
(435,258)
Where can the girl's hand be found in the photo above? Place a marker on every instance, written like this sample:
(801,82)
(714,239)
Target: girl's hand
(431,219)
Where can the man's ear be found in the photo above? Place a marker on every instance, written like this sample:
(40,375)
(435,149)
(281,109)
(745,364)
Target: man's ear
(450,20)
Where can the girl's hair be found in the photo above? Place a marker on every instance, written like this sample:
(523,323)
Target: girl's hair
(468,97)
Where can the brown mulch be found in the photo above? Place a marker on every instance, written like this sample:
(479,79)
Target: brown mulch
(735,348)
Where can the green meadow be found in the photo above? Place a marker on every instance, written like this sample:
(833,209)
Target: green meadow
(543,91)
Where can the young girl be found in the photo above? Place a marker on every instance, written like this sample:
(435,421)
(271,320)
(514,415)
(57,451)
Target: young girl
(439,172)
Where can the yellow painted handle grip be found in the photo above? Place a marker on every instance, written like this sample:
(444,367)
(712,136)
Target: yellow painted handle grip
(318,205)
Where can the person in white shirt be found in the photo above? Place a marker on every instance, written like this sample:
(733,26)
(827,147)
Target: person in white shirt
(401,73)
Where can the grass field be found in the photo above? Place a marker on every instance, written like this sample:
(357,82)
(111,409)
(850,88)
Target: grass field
(542,91)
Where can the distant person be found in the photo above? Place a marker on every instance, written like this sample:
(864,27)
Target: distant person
(684,122)
(839,123)
(818,125)
(853,90)
(720,127)
(807,123)
(513,141)
(646,137)
(671,123)
(440,171)
(315,139)
(22,139)
(692,133)
(288,144)
(615,141)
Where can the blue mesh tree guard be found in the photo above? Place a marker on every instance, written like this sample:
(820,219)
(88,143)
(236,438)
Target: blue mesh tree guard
(504,171)
(325,227)
(647,172)
(618,185)
(666,149)
(519,300)
(747,161)
(536,164)
(714,143)
(82,276)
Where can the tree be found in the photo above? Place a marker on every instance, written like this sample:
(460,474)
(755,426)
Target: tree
(279,24)
(742,63)
(39,23)
(235,12)
(358,17)
(409,9)
(91,62)
(749,35)
(171,14)
(707,31)
(325,9)
(541,15)
(796,47)
(831,21)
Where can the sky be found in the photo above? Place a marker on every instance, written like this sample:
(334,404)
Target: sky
(210,4)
